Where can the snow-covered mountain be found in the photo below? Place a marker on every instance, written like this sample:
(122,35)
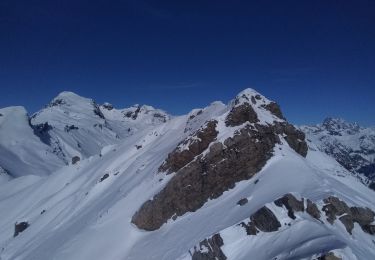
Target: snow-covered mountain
(77,126)
(351,145)
(232,181)
(21,151)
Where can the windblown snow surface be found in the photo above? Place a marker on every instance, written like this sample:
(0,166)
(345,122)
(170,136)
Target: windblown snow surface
(84,210)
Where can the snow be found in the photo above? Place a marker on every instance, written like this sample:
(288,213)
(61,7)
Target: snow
(85,218)
(21,152)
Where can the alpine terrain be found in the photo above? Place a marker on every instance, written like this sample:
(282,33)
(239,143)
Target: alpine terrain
(79,180)
(351,145)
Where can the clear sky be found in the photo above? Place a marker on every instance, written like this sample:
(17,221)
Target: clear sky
(315,58)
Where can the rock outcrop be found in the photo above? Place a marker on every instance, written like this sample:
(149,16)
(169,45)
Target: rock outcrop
(335,207)
(205,167)
(210,248)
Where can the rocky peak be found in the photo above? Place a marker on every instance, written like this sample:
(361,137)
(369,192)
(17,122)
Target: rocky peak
(107,106)
(335,126)
(249,105)
(140,112)
(228,148)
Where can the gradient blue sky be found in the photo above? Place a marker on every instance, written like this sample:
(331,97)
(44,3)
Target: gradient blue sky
(315,58)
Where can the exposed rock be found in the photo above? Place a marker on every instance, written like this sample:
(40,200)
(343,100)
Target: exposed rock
(75,159)
(347,220)
(370,229)
(274,108)
(372,186)
(105,176)
(208,177)
(250,228)
(97,110)
(265,220)
(108,106)
(241,114)
(68,128)
(334,207)
(253,100)
(294,137)
(57,102)
(20,227)
(329,256)
(312,209)
(162,117)
(199,142)
(291,204)
(363,216)
(242,202)
(42,131)
(210,249)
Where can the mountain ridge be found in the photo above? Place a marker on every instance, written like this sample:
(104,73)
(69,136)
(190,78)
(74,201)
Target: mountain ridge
(211,180)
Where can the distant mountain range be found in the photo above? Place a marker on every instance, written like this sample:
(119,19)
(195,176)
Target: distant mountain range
(79,180)
(351,145)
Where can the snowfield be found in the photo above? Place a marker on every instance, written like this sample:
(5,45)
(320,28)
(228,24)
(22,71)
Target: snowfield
(84,210)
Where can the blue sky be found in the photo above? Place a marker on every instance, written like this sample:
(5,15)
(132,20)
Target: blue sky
(315,58)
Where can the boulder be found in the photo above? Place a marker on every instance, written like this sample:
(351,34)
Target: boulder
(265,220)
(20,227)
(291,204)
(75,159)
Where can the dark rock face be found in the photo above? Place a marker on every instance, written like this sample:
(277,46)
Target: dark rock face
(250,228)
(105,176)
(75,159)
(291,204)
(108,106)
(348,223)
(265,220)
(294,137)
(370,229)
(208,177)
(334,207)
(97,110)
(209,249)
(348,215)
(42,131)
(20,227)
(241,114)
(201,140)
(274,108)
(312,209)
(363,216)
(242,202)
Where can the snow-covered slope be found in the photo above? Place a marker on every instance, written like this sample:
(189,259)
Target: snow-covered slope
(351,145)
(164,192)
(21,151)
(76,126)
